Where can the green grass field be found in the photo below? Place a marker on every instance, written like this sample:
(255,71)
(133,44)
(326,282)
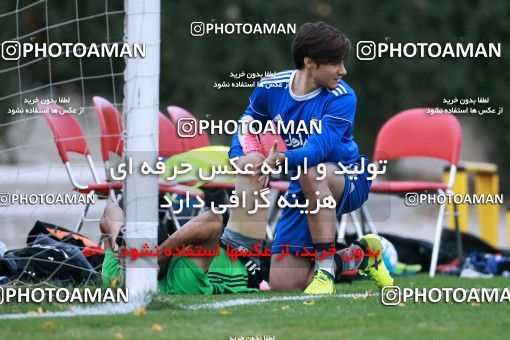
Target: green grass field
(276,314)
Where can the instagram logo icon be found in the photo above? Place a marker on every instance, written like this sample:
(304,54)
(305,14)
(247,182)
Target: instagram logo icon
(197,28)
(187,127)
(11,50)
(366,50)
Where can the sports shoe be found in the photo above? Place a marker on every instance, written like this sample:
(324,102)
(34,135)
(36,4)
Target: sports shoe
(373,265)
(321,284)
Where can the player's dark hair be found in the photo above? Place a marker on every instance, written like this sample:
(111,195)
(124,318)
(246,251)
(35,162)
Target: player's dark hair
(321,42)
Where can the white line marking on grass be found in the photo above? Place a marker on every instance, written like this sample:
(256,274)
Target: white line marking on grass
(244,302)
(102,309)
(126,308)
(106,309)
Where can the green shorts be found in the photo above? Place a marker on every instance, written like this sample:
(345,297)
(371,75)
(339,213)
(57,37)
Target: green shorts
(185,277)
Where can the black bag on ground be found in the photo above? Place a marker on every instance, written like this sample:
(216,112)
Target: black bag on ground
(413,251)
(47,260)
(63,235)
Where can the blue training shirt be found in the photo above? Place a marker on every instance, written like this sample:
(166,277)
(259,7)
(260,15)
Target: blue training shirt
(273,99)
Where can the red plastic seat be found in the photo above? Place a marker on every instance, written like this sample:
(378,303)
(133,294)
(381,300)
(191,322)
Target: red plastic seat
(200,140)
(169,145)
(406,186)
(170,187)
(177,113)
(102,188)
(414,133)
(69,137)
(110,123)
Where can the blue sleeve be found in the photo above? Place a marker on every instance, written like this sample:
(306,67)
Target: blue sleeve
(336,122)
(258,106)
(236,150)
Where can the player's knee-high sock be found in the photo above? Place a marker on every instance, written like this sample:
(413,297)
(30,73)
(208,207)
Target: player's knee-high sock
(349,258)
(324,259)
(237,240)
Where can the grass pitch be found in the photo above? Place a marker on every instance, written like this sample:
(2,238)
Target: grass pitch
(282,316)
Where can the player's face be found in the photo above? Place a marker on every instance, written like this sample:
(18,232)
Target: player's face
(329,74)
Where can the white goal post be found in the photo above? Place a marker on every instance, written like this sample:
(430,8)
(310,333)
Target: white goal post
(141,108)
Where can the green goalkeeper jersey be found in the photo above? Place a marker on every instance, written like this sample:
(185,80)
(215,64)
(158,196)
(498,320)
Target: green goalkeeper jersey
(185,277)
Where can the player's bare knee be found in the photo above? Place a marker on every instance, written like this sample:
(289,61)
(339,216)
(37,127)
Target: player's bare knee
(248,183)
(309,180)
(114,213)
(335,182)
(103,225)
(310,185)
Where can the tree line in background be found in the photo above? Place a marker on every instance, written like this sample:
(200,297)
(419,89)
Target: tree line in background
(190,66)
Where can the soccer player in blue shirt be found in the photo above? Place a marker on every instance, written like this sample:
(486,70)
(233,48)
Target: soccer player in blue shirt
(315,90)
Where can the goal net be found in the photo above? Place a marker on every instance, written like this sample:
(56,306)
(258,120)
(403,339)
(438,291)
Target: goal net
(57,56)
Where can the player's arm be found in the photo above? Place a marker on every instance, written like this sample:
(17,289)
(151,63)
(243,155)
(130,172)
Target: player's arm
(256,110)
(204,229)
(110,224)
(112,220)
